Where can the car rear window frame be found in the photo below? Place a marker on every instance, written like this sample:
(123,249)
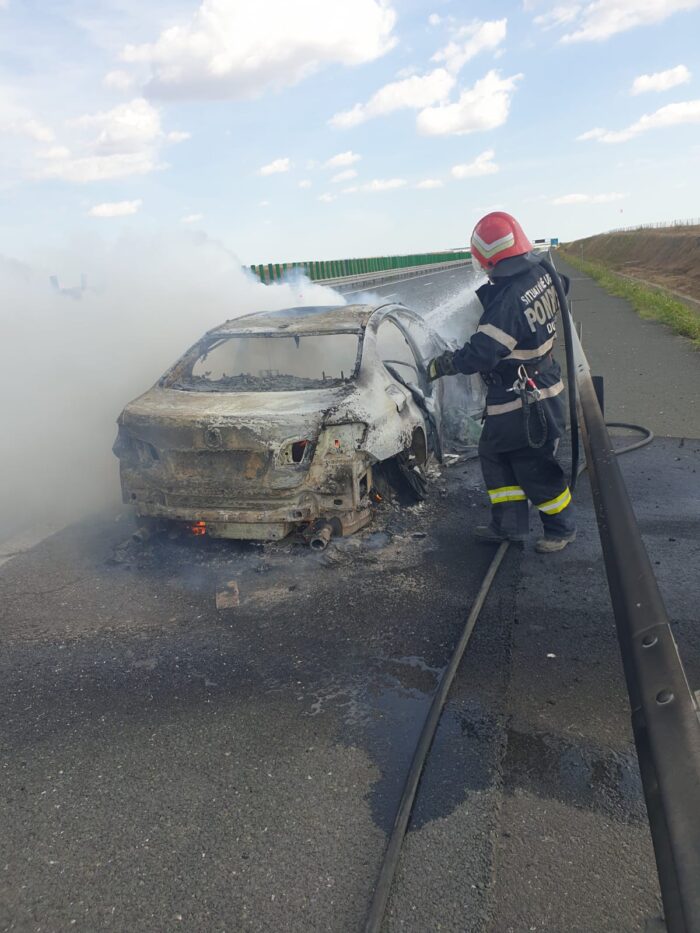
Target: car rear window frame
(173,378)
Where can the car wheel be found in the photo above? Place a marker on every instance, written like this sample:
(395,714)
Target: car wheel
(405,477)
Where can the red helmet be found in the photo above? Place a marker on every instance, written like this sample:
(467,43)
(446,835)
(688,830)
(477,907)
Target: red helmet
(497,236)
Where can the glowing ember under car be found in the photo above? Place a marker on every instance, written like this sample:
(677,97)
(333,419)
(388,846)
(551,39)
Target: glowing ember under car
(277,420)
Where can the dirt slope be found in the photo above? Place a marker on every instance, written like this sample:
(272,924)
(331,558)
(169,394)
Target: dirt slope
(668,256)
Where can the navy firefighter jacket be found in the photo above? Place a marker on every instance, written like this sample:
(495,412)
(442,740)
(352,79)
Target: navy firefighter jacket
(518,326)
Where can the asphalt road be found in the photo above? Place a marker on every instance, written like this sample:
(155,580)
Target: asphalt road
(446,299)
(170,766)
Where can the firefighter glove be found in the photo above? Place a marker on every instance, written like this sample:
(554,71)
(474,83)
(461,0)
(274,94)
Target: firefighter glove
(441,366)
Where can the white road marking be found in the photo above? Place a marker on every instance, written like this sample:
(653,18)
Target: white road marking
(425,284)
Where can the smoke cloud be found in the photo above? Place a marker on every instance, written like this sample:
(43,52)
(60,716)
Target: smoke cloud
(77,353)
(73,360)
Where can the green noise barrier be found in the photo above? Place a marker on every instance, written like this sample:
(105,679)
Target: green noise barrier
(340,268)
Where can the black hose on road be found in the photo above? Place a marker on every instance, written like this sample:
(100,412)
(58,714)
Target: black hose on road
(393,849)
(648,437)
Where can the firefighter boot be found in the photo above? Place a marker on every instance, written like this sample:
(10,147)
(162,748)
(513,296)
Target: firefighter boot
(548,545)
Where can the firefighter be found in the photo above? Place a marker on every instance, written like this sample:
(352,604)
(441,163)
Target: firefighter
(525,415)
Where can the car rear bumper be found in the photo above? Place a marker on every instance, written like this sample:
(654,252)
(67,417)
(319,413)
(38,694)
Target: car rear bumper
(244,524)
(261,520)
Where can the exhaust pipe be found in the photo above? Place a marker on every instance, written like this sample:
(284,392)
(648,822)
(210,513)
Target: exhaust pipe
(321,536)
(147,530)
(325,528)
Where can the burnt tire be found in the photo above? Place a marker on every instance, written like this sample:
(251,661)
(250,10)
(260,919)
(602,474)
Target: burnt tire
(405,477)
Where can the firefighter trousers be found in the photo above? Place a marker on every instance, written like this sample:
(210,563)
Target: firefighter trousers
(513,477)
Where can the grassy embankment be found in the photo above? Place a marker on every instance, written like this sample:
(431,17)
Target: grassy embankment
(650,304)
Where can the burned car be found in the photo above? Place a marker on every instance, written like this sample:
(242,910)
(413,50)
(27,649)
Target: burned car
(281,420)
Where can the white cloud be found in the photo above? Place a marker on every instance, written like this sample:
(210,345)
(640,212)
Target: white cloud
(483,164)
(344,176)
(191,218)
(102,168)
(119,80)
(18,120)
(596,133)
(600,19)
(178,136)
(377,184)
(661,80)
(231,50)
(671,115)
(428,183)
(588,198)
(29,128)
(415,92)
(35,130)
(55,152)
(327,197)
(115,209)
(469,41)
(275,167)
(116,143)
(342,159)
(558,16)
(125,128)
(384,184)
(419,92)
(434,19)
(482,107)
(264,204)
(305,183)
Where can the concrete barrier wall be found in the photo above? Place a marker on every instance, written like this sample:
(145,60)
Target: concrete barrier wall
(339,269)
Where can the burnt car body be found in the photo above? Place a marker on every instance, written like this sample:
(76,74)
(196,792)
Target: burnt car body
(276,420)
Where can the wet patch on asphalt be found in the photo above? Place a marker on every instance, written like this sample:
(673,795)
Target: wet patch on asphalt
(576,774)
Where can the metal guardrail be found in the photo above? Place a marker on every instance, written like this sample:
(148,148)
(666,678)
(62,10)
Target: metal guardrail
(373,269)
(663,707)
(392,275)
(324,271)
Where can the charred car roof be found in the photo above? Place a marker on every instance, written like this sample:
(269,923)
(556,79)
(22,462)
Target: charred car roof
(304,320)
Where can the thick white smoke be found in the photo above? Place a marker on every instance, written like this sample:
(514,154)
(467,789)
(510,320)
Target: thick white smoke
(71,364)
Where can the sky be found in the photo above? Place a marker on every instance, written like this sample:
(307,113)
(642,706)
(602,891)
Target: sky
(320,129)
